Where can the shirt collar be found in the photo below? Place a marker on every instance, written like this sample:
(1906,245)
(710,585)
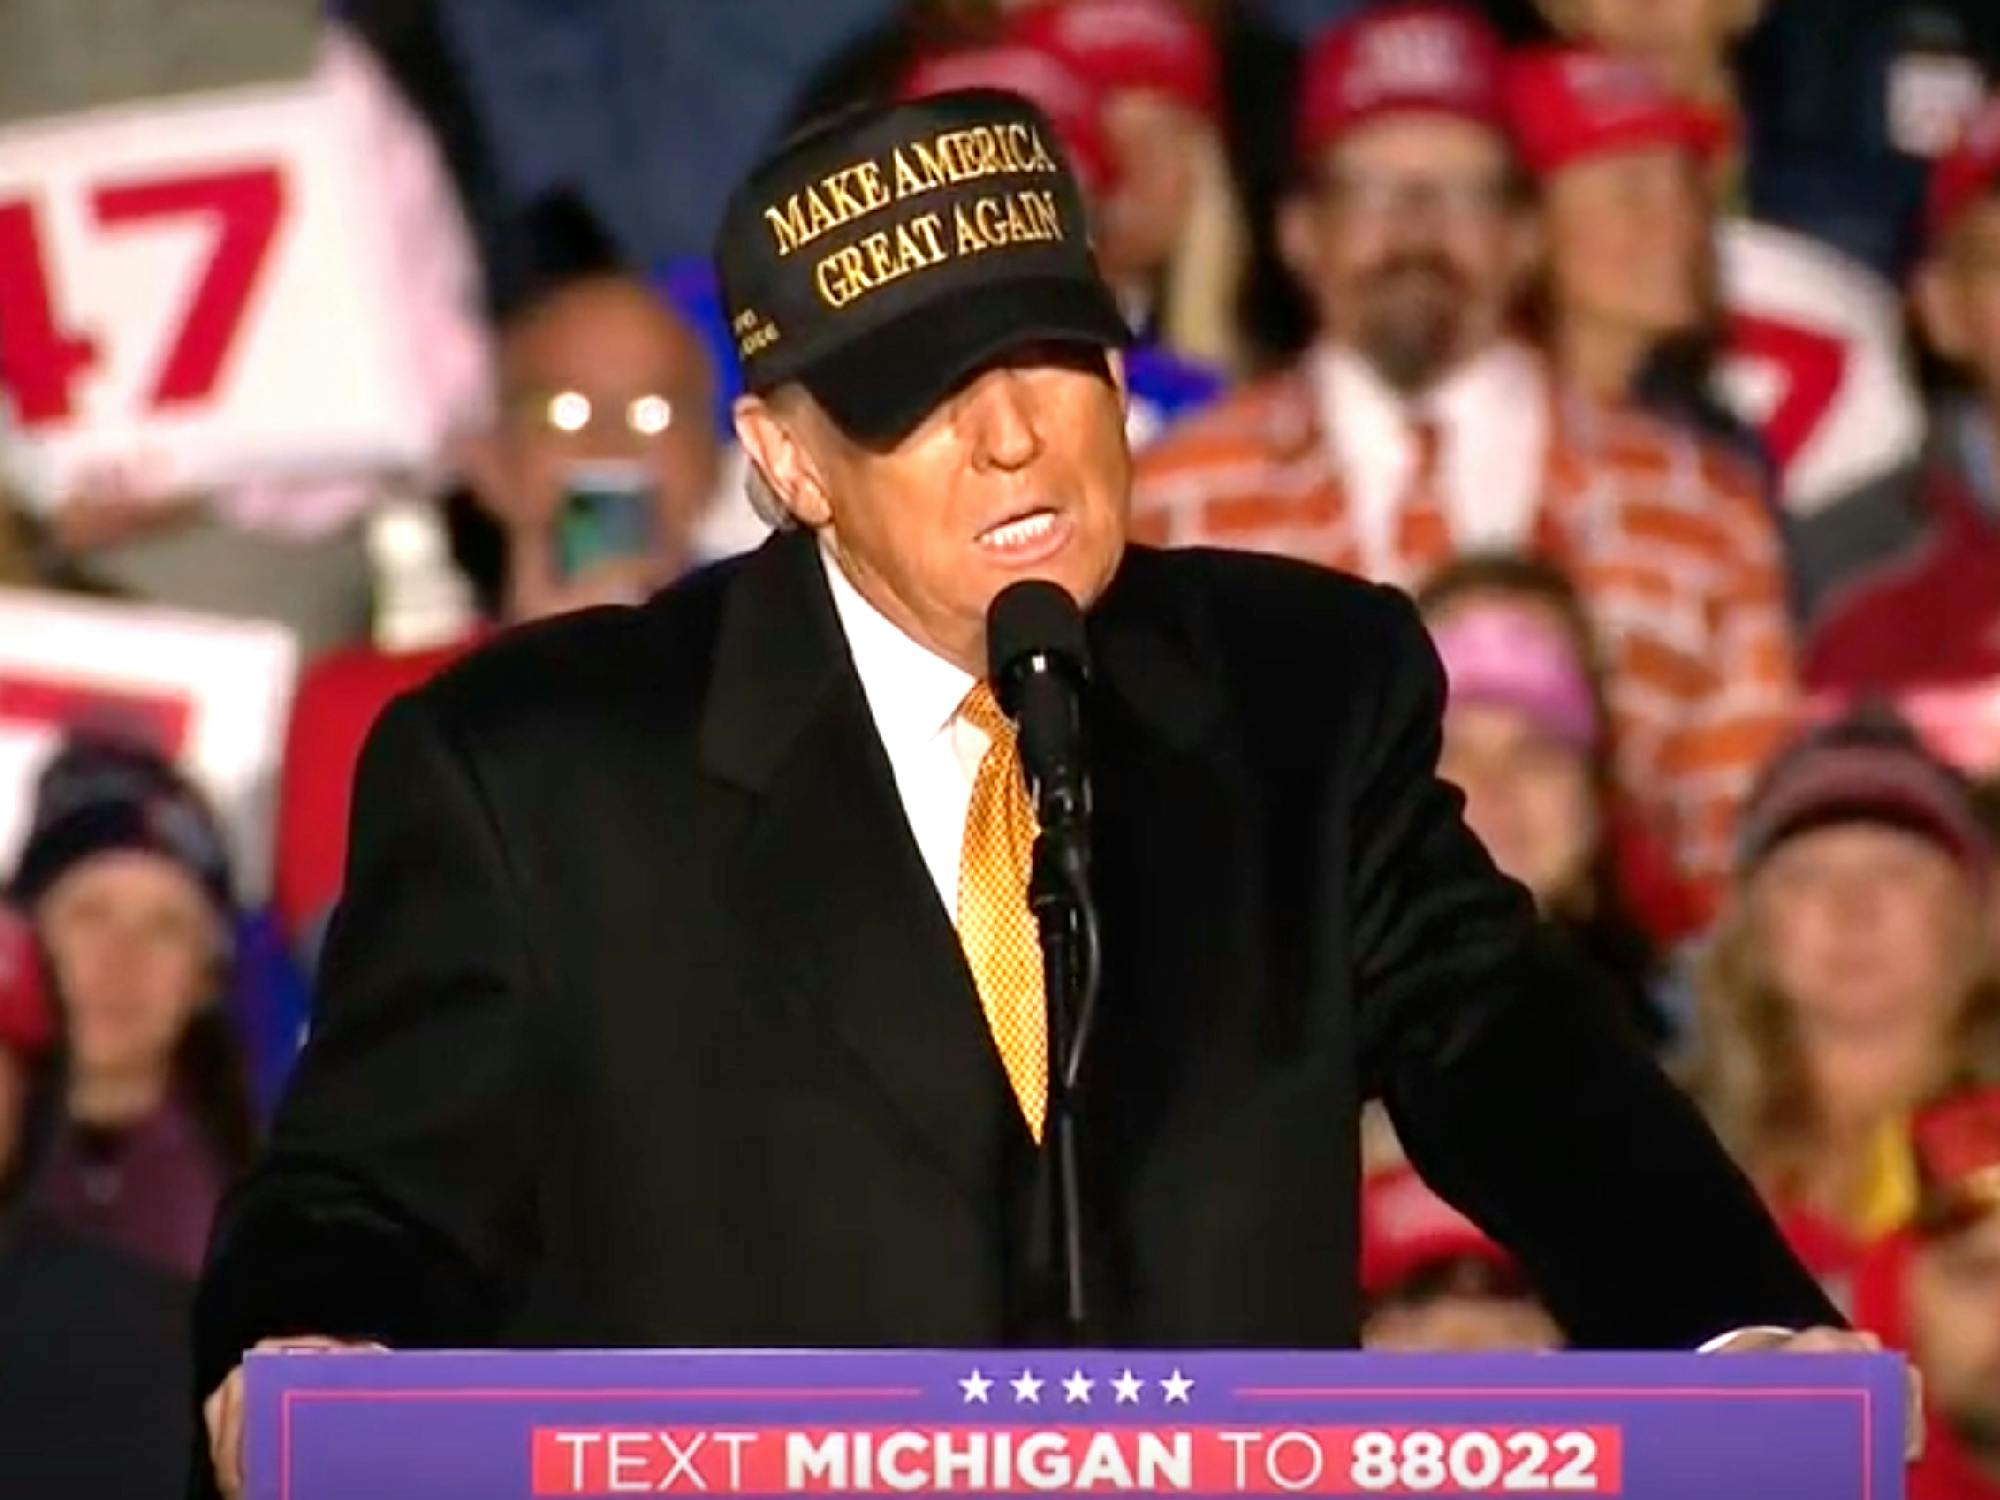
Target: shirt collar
(1356,405)
(1498,376)
(913,693)
(1503,379)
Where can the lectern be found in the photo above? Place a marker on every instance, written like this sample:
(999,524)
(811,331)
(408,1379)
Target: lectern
(499,1425)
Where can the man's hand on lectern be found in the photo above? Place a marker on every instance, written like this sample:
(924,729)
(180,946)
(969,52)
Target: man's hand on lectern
(1835,1341)
(223,1411)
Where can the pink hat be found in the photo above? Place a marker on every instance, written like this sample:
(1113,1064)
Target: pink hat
(1074,106)
(1129,44)
(1966,174)
(1413,58)
(1567,104)
(1502,655)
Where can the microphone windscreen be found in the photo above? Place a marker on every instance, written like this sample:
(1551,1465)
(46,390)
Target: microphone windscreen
(1033,618)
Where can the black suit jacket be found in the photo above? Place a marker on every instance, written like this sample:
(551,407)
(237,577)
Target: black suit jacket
(641,1022)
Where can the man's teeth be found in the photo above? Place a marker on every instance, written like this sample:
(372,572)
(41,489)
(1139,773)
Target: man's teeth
(1021,533)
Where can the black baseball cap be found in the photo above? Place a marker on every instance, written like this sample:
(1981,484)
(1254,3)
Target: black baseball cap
(880,258)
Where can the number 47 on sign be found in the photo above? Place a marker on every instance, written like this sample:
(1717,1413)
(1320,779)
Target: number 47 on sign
(40,361)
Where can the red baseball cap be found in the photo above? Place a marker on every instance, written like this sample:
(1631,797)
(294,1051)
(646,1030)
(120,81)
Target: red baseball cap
(1567,104)
(1966,173)
(1406,1229)
(1129,44)
(1073,105)
(1416,58)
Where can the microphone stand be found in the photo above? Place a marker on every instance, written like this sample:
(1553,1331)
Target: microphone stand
(1059,894)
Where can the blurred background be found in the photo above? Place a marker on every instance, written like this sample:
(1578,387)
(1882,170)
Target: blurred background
(1653,345)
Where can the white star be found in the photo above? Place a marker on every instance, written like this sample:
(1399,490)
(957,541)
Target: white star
(975,1387)
(1027,1387)
(1176,1387)
(1076,1389)
(1126,1387)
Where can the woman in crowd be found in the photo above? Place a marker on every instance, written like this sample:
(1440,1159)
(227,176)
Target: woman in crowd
(1524,739)
(142,1117)
(1851,978)
(1628,304)
(1170,233)
(1772,344)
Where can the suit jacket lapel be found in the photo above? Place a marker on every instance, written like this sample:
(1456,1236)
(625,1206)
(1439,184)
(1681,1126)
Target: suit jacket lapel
(828,875)
(830,879)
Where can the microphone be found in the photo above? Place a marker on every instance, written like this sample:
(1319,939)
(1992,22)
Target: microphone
(1038,664)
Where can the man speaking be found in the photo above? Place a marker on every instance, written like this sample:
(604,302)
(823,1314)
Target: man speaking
(688,988)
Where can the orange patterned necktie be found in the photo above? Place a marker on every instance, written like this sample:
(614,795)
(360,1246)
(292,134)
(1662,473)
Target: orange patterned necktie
(1002,942)
(1423,529)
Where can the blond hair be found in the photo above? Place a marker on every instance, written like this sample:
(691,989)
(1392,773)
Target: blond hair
(1200,302)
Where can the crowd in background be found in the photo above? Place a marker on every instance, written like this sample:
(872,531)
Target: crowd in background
(1652,345)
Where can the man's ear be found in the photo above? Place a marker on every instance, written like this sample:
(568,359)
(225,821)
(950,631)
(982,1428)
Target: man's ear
(788,467)
(1940,310)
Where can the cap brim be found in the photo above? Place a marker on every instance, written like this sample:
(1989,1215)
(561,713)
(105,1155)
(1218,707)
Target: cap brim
(1883,804)
(880,386)
(1315,137)
(1698,137)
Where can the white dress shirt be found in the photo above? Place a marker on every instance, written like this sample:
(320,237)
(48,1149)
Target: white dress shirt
(1493,413)
(914,695)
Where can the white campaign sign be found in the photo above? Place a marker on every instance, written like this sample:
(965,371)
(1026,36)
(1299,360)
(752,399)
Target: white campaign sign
(1815,362)
(213,693)
(200,290)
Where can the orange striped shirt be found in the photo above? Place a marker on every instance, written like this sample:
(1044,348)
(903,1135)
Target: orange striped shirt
(1675,556)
